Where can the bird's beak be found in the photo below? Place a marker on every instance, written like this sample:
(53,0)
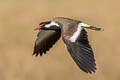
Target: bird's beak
(36,29)
(39,27)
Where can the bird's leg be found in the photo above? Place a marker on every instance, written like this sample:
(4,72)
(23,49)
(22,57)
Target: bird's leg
(91,27)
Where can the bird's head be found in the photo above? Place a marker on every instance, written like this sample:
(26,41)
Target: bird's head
(48,25)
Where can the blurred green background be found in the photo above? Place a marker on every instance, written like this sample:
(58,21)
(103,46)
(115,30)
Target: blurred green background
(18,18)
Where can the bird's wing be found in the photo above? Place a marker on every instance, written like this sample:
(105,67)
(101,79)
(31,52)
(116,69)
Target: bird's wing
(45,40)
(81,52)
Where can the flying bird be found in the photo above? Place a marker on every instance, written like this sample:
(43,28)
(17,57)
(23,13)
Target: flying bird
(74,36)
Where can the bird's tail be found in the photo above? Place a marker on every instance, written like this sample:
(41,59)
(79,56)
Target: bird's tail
(84,25)
(94,28)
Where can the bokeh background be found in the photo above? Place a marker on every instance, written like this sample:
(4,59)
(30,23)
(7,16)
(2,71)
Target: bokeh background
(18,18)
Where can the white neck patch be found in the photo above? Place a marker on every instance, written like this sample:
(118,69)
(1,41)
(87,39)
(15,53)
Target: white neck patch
(77,33)
(51,24)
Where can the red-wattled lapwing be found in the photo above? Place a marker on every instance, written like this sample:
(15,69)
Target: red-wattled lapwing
(74,36)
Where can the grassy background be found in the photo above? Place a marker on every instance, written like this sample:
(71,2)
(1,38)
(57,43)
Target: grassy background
(19,18)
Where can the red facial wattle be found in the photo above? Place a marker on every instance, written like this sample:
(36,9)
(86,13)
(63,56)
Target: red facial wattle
(40,26)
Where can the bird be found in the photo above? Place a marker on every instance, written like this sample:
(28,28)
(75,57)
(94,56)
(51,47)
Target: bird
(75,37)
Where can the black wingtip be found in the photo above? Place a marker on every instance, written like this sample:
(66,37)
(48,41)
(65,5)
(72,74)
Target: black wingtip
(35,53)
(90,71)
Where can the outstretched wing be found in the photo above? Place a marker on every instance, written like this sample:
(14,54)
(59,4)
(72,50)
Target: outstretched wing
(82,53)
(45,40)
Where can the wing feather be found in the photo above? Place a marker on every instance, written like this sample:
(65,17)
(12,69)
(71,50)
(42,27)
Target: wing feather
(82,53)
(45,40)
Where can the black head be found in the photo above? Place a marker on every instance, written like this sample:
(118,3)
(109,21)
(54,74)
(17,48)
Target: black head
(48,25)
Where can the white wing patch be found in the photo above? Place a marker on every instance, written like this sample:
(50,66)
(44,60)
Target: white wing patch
(51,24)
(77,33)
(85,25)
